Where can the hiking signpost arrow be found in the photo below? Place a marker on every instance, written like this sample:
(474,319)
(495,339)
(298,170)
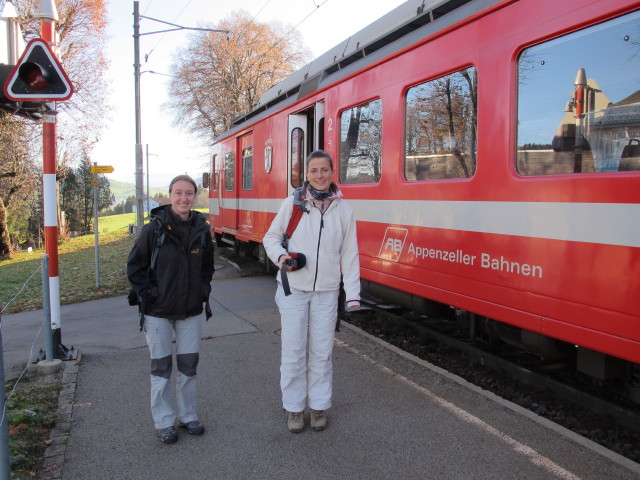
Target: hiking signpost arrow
(101,169)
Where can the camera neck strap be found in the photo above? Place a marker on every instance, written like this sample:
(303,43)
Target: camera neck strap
(284,279)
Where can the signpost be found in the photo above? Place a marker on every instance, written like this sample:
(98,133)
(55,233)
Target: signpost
(101,168)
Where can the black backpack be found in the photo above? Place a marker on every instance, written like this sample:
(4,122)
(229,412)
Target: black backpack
(133,297)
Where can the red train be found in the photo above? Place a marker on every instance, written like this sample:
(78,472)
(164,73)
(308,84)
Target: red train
(491,152)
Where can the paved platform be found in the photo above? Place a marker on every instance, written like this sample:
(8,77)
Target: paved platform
(394,416)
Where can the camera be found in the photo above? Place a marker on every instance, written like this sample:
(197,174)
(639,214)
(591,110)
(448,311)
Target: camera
(296,262)
(291,262)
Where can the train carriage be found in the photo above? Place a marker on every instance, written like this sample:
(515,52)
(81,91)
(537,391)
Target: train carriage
(491,152)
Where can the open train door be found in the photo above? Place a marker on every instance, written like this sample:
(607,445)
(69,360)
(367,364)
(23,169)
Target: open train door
(306,133)
(318,137)
(296,152)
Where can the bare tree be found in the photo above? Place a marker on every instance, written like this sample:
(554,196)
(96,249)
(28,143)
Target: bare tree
(217,76)
(17,176)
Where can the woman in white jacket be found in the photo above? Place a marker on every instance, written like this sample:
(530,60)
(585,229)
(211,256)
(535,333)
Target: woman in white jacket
(326,235)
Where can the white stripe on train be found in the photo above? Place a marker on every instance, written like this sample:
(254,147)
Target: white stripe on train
(603,223)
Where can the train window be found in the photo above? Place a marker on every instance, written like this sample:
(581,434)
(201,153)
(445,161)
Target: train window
(361,143)
(247,168)
(441,127)
(297,156)
(229,171)
(579,102)
(215,168)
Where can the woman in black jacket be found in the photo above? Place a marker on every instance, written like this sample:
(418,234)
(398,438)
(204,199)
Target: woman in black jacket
(170,269)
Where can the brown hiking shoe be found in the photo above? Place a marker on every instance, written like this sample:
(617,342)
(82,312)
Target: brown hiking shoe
(295,422)
(318,420)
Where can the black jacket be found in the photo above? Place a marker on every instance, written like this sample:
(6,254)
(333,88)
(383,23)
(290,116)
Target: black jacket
(181,281)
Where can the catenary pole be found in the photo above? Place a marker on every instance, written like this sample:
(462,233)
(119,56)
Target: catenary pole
(138,116)
(136,68)
(148,207)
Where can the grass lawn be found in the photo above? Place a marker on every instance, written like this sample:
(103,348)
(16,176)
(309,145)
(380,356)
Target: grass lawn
(115,223)
(21,278)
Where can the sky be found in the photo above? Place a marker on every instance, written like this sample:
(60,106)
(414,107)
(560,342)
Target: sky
(322,23)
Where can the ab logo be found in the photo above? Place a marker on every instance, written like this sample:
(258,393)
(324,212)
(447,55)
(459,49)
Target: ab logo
(393,243)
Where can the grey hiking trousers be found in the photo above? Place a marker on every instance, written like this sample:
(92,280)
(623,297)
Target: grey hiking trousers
(159,333)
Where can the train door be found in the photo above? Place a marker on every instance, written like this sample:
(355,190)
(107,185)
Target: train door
(215,196)
(306,133)
(229,189)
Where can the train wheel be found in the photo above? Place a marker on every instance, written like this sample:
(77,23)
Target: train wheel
(219,242)
(269,267)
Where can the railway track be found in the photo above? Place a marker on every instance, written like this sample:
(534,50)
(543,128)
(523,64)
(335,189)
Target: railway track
(610,423)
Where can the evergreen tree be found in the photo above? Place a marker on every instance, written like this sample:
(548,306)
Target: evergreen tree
(76,196)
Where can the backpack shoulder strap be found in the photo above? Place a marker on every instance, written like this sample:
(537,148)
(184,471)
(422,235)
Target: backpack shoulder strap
(158,240)
(296,214)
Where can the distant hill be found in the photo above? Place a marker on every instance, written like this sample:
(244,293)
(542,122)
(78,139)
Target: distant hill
(122,190)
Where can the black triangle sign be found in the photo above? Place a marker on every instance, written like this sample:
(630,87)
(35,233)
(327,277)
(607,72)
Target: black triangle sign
(38,76)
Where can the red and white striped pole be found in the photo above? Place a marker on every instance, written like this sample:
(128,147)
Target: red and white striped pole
(48,14)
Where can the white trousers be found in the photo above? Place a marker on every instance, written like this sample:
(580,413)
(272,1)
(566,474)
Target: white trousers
(159,333)
(308,329)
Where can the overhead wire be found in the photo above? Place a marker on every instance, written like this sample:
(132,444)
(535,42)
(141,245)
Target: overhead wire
(297,25)
(146,56)
(148,6)
(282,39)
(261,9)
(311,13)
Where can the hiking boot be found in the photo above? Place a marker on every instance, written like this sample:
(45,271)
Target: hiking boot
(318,420)
(295,422)
(194,427)
(168,434)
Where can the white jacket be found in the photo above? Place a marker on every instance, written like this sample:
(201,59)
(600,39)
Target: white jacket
(330,236)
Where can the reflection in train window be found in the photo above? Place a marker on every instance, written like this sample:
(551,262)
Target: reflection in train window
(441,127)
(229,171)
(247,168)
(579,101)
(361,143)
(297,156)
